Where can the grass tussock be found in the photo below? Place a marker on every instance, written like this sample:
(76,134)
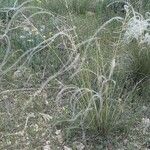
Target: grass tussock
(61,68)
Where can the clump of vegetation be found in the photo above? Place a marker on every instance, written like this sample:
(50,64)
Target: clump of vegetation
(61,69)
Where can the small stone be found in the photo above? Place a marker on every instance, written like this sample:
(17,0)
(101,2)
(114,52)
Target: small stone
(78,145)
(125,142)
(47,146)
(58,132)
(17,74)
(67,148)
(144,108)
(59,136)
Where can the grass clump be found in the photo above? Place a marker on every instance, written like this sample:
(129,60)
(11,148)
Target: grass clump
(97,105)
(63,67)
(95,100)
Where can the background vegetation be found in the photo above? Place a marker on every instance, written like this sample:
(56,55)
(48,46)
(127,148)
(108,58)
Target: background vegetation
(74,74)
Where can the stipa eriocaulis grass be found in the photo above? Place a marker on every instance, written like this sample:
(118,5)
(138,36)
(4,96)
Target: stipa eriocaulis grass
(99,108)
(92,109)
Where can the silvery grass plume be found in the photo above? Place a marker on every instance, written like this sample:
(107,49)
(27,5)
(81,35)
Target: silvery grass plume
(137,26)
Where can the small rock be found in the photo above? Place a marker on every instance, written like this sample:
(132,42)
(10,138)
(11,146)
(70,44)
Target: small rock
(59,136)
(79,145)
(58,132)
(125,142)
(18,74)
(47,146)
(67,148)
(144,108)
